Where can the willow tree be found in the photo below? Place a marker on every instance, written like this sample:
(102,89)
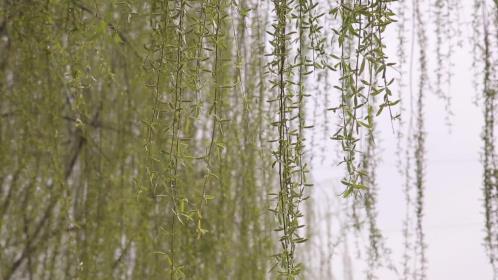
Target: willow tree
(150,139)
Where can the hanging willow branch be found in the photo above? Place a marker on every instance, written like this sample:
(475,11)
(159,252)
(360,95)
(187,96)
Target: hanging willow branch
(286,210)
(490,176)
(363,24)
(290,100)
(447,33)
(419,143)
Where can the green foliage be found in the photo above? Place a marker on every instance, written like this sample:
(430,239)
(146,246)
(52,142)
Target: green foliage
(120,122)
(151,139)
